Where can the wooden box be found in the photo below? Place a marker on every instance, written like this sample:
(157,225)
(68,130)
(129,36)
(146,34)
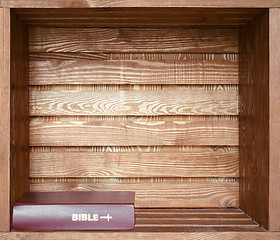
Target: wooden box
(178,101)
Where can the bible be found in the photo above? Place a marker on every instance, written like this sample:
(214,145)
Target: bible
(74,211)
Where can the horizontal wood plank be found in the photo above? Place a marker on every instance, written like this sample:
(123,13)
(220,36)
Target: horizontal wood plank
(133,72)
(158,222)
(127,133)
(133,40)
(137,4)
(198,195)
(137,17)
(139,103)
(168,164)
(74,56)
(142,234)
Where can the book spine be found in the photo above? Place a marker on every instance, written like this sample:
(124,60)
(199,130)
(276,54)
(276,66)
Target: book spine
(73,217)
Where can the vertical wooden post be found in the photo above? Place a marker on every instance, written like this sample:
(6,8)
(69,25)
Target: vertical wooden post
(274,120)
(19,114)
(14,133)
(254,119)
(5,119)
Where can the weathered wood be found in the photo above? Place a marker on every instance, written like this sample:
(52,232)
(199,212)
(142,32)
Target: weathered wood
(194,195)
(274,120)
(142,3)
(47,56)
(19,109)
(185,180)
(175,164)
(5,104)
(254,119)
(127,133)
(133,40)
(139,103)
(137,149)
(133,72)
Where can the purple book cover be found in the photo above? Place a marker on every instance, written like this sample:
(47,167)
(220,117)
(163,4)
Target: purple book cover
(74,211)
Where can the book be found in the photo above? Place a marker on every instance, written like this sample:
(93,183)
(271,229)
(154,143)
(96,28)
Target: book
(74,211)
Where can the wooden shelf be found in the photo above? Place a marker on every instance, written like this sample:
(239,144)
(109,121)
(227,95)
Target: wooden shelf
(169,224)
(177,101)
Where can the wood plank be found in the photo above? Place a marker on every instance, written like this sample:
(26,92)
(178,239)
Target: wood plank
(137,17)
(274,120)
(141,235)
(142,3)
(110,180)
(137,149)
(133,40)
(254,119)
(198,195)
(187,229)
(192,222)
(171,164)
(19,110)
(127,133)
(5,119)
(43,56)
(202,212)
(133,103)
(133,72)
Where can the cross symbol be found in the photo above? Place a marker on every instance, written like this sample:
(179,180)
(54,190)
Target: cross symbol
(108,217)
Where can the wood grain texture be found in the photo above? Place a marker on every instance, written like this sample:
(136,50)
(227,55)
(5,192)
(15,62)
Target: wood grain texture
(168,164)
(133,40)
(137,149)
(133,72)
(19,110)
(137,17)
(182,235)
(134,103)
(142,3)
(171,235)
(274,120)
(74,56)
(109,180)
(194,195)
(127,133)
(5,119)
(254,119)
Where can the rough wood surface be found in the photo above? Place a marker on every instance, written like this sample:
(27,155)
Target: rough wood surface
(74,56)
(190,195)
(137,17)
(127,133)
(5,119)
(133,40)
(133,72)
(142,3)
(167,164)
(139,103)
(254,119)
(274,120)
(19,110)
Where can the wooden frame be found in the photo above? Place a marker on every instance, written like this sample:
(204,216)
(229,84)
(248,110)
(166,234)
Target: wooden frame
(259,113)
